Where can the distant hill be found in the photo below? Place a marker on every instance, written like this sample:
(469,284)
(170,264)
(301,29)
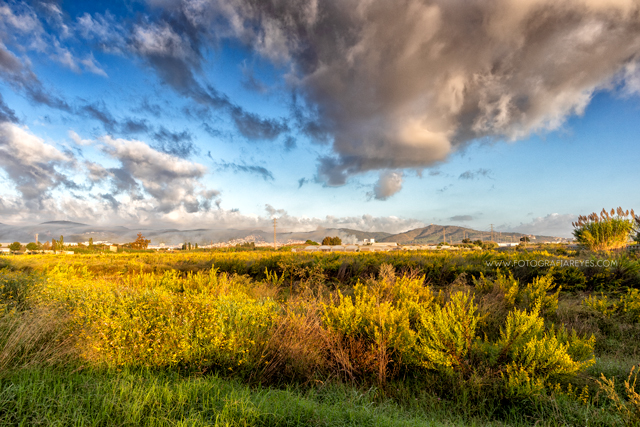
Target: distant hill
(434,234)
(361,235)
(78,232)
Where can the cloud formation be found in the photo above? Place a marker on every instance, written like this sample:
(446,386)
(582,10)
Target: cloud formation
(34,166)
(461,218)
(261,171)
(477,174)
(6,113)
(553,224)
(172,182)
(404,84)
(176,143)
(389,183)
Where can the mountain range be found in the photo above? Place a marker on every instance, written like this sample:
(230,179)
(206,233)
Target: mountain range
(78,232)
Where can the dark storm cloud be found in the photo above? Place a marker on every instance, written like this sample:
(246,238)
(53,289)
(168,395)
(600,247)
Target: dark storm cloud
(477,174)
(176,143)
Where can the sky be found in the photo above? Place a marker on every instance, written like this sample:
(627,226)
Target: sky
(366,114)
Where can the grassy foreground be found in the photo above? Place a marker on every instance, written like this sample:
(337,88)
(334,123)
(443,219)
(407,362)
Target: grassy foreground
(54,397)
(323,340)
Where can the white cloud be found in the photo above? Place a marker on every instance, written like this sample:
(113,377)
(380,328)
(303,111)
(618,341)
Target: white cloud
(557,225)
(32,165)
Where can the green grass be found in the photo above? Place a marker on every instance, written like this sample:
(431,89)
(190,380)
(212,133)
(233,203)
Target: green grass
(55,397)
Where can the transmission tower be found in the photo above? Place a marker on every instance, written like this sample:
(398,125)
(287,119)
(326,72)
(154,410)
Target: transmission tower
(275,244)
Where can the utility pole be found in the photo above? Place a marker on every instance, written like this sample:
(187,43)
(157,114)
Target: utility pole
(492,232)
(275,244)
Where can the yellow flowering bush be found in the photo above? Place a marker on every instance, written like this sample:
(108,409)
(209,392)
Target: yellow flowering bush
(628,305)
(145,319)
(532,353)
(179,310)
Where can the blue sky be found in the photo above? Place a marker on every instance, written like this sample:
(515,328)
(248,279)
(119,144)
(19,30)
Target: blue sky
(374,115)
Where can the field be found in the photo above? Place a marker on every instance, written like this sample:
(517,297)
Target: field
(547,337)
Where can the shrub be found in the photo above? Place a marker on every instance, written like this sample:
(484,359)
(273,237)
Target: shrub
(605,231)
(332,241)
(533,354)
(446,334)
(626,308)
(629,408)
(380,315)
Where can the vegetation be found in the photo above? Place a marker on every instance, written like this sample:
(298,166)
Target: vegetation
(15,247)
(332,241)
(140,242)
(268,338)
(605,231)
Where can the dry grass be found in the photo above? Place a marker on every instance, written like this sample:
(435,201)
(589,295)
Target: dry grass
(35,337)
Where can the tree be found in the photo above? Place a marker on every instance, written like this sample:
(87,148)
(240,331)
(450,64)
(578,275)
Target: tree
(311,242)
(331,241)
(61,241)
(46,246)
(54,245)
(140,242)
(15,247)
(467,240)
(32,246)
(525,239)
(606,231)
(91,242)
